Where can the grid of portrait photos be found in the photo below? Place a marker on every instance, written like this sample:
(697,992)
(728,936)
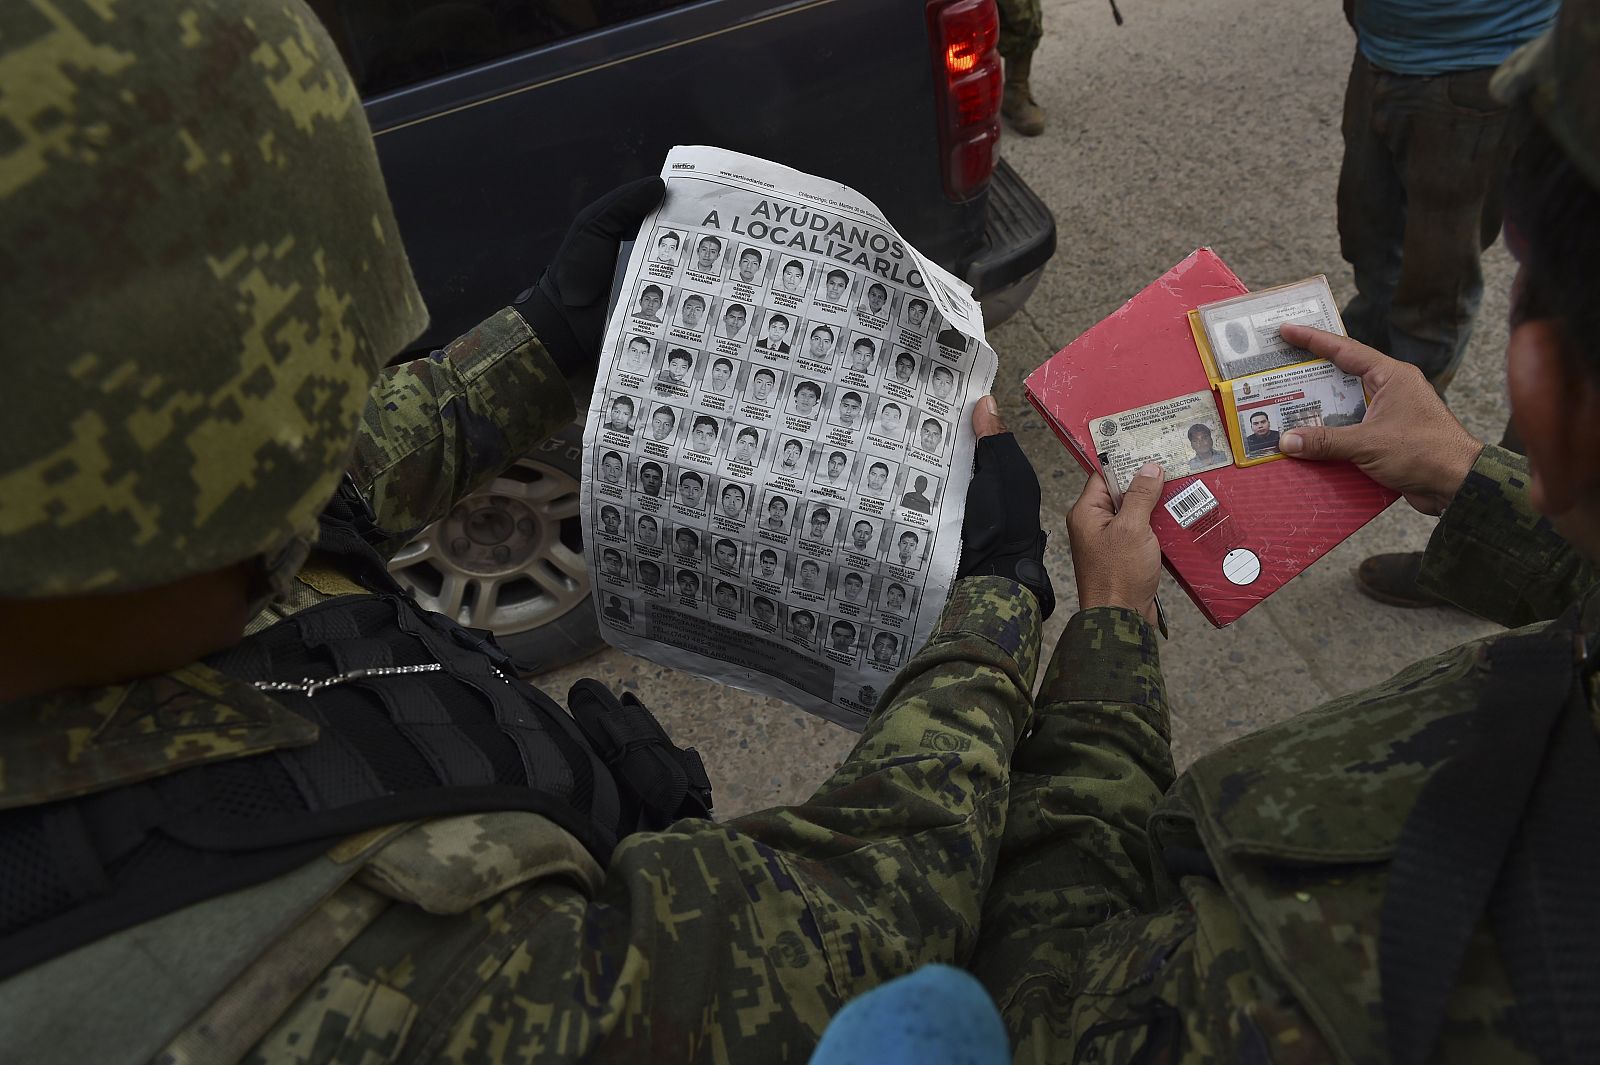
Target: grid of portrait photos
(776,436)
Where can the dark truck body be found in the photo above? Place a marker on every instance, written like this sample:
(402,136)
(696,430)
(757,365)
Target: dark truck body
(496,121)
(490,148)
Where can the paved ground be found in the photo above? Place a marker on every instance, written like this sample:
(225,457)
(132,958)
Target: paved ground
(1193,124)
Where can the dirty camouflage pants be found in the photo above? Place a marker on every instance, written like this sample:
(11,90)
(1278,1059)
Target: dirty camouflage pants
(1021,27)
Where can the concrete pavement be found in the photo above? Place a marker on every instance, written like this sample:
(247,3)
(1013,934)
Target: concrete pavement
(1193,124)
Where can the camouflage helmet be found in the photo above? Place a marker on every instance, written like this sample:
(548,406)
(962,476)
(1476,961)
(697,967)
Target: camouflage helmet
(1558,75)
(200,275)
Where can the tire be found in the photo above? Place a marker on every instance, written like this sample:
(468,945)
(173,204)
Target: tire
(509,558)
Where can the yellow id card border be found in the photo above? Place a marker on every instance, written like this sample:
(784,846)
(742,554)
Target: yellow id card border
(1259,408)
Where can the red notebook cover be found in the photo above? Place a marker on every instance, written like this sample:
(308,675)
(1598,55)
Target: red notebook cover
(1271,521)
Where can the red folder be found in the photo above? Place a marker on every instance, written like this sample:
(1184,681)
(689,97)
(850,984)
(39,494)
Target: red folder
(1270,521)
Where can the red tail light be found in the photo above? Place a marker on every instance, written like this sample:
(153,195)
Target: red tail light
(967,82)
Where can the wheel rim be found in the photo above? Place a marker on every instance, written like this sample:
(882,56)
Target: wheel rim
(507,558)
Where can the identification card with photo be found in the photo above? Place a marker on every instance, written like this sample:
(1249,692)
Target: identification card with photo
(1184,434)
(1242,332)
(1262,406)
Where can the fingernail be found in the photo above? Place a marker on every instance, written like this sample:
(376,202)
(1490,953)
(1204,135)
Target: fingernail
(1291,443)
(990,407)
(1150,469)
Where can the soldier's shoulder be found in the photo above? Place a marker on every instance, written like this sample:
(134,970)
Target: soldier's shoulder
(1341,778)
(88,739)
(1299,822)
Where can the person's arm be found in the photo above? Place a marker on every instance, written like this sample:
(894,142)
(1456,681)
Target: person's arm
(739,941)
(1083,786)
(437,428)
(1492,554)
(1086,781)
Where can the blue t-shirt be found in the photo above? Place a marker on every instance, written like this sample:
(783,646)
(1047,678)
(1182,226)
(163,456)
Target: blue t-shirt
(1439,36)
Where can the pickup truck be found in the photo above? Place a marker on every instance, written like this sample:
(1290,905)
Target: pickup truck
(497,120)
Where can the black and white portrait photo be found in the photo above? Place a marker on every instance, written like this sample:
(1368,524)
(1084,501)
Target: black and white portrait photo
(692,312)
(735,316)
(820,342)
(862,357)
(805,399)
(775,334)
(835,287)
(875,301)
(791,278)
(677,370)
(790,458)
(637,354)
(747,267)
(663,424)
(648,306)
(707,255)
(762,386)
(931,435)
(668,248)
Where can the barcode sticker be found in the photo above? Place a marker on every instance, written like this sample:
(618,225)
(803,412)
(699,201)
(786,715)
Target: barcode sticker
(1191,504)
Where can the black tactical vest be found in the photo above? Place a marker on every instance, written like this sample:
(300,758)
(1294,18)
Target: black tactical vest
(418,718)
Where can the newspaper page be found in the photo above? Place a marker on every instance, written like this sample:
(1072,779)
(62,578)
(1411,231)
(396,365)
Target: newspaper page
(778,446)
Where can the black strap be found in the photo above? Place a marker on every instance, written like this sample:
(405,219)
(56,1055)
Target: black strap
(1465,822)
(1544,909)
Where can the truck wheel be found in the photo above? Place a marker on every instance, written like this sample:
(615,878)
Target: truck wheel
(509,558)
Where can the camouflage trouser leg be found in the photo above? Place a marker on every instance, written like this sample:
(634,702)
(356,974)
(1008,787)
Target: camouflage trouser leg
(1021,27)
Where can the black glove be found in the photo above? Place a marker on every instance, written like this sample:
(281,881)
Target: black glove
(1001,536)
(660,781)
(567,307)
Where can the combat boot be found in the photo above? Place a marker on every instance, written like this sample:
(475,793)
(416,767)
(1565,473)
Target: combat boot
(1025,116)
(1391,579)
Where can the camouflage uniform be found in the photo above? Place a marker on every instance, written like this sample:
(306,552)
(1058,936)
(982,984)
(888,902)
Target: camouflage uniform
(496,937)
(201,276)
(1232,914)
(1021,28)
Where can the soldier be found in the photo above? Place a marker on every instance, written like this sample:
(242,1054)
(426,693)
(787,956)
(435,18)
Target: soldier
(337,828)
(1021,30)
(1425,150)
(1407,873)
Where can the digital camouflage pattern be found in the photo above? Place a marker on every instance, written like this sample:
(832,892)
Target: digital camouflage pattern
(437,428)
(1021,28)
(200,275)
(73,743)
(1233,915)
(247,281)
(714,942)
(1534,574)
(494,937)
(454,420)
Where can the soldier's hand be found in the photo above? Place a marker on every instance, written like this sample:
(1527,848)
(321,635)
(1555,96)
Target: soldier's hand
(1409,440)
(1115,555)
(1001,535)
(567,307)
